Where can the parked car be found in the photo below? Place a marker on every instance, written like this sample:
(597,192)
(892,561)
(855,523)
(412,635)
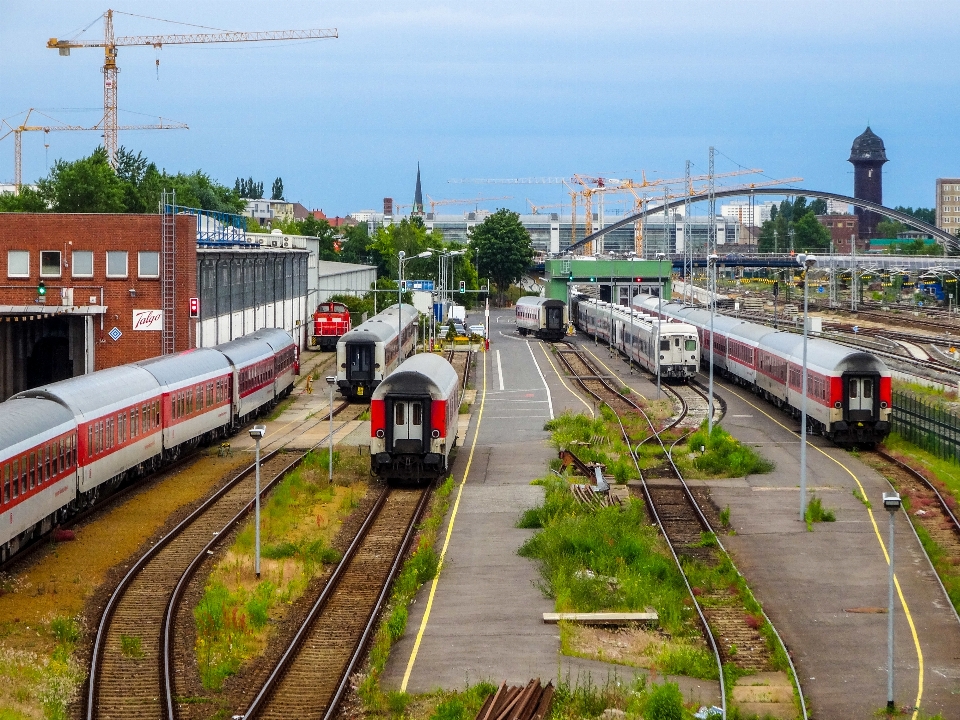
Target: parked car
(477,330)
(459,328)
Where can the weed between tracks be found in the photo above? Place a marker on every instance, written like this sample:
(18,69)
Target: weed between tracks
(298,522)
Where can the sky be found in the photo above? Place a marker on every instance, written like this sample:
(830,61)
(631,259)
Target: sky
(490,89)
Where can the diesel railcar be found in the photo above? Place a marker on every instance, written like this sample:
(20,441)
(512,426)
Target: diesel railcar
(671,349)
(848,390)
(371,351)
(62,444)
(331,321)
(413,420)
(544,318)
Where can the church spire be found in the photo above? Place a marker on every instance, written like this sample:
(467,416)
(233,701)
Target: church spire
(418,196)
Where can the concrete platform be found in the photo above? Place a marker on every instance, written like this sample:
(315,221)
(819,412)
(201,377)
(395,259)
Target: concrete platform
(815,584)
(485,620)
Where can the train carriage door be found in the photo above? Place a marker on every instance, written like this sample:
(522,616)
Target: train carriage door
(409,423)
(861,398)
(554,318)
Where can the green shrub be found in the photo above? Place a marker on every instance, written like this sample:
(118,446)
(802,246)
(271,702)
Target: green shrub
(665,703)
(723,455)
(816,512)
(65,630)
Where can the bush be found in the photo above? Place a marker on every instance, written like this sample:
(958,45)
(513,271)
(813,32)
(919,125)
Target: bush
(665,703)
(723,455)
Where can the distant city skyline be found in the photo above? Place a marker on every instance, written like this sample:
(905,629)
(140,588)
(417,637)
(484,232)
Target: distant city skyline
(496,89)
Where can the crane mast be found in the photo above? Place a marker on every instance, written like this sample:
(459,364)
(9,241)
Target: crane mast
(111,71)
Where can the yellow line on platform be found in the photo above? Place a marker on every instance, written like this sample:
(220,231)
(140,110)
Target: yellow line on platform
(560,378)
(446,541)
(883,547)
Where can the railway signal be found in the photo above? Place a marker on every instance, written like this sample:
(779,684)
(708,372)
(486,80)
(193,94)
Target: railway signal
(41,289)
(194,308)
(463,286)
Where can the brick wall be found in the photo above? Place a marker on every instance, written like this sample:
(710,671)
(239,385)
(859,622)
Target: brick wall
(75,233)
(841,227)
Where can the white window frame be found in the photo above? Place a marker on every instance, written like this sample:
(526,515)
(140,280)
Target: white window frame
(140,254)
(59,272)
(10,254)
(73,266)
(126,264)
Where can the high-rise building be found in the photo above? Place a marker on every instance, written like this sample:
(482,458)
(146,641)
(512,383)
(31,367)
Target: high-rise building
(747,213)
(948,204)
(867,157)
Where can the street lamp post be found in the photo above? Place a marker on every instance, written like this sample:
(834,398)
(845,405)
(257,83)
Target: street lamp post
(660,257)
(402,257)
(331,381)
(712,261)
(257,432)
(808,261)
(891,502)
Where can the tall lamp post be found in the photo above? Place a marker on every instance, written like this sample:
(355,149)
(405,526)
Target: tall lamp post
(257,432)
(331,381)
(807,261)
(660,257)
(402,257)
(712,262)
(891,502)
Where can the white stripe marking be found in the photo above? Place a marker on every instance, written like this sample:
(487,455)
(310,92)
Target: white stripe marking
(537,366)
(499,370)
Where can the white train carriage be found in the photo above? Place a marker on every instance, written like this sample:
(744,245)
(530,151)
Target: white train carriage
(252,379)
(38,469)
(287,359)
(413,420)
(117,411)
(542,317)
(195,397)
(371,351)
(670,349)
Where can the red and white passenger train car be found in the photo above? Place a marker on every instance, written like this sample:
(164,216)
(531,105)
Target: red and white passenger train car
(413,420)
(63,443)
(848,390)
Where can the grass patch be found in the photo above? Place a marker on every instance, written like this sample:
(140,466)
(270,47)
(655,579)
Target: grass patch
(281,407)
(723,455)
(816,513)
(725,517)
(862,498)
(419,568)
(464,408)
(935,469)
(298,521)
(131,646)
(365,415)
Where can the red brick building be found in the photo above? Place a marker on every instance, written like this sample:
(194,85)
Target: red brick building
(104,282)
(841,227)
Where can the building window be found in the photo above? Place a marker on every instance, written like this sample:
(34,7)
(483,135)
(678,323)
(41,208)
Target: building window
(148,264)
(49,263)
(82,263)
(117,264)
(18,264)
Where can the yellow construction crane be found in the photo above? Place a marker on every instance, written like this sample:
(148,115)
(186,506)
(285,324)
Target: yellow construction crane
(18,130)
(535,209)
(434,204)
(110,69)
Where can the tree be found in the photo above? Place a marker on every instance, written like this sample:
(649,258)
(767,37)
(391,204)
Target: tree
(353,246)
(504,247)
(917,246)
(927,215)
(29,201)
(818,206)
(86,185)
(888,228)
(810,235)
(276,192)
(248,189)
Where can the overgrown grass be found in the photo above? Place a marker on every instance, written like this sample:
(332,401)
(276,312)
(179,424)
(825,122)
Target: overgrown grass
(723,455)
(637,699)
(598,440)
(298,521)
(862,498)
(934,468)
(53,679)
(420,567)
(816,512)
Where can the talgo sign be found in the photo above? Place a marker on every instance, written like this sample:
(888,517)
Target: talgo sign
(147,320)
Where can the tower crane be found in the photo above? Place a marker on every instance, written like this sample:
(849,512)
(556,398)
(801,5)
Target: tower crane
(434,204)
(535,209)
(17,132)
(111,71)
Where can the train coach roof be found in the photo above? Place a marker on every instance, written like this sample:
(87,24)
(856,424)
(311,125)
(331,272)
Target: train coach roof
(538,301)
(22,420)
(246,349)
(174,369)
(380,327)
(275,337)
(100,391)
(424,373)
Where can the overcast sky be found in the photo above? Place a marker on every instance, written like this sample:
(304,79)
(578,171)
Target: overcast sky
(503,89)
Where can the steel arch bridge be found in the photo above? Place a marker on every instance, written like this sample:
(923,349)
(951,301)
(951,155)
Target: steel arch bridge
(950,242)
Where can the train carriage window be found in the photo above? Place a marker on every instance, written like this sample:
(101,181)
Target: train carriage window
(676,342)
(57,454)
(122,428)
(417,413)
(48,451)
(6,483)
(665,344)
(89,439)
(853,387)
(16,477)
(398,414)
(209,394)
(867,388)
(71,451)
(134,422)
(144,420)
(156,414)
(32,466)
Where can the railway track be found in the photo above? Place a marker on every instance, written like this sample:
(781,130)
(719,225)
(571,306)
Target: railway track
(462,362)
(673,506)
(600,387)
(313,673)
(131,661)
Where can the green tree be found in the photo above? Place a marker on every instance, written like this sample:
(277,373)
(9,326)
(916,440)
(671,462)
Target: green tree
(276,192)
(504,246)
(29,200)
(818,206)
(888,228)
(87,185)
(917,246)
(810,235)
(353,245)
(927,215)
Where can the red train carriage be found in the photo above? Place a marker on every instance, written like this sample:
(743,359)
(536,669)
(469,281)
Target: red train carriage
(330,321)
(413,420)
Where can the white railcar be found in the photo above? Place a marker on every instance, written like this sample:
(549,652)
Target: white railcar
(542,317)
(372,350)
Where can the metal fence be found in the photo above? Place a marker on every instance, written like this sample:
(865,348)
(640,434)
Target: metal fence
(933,428)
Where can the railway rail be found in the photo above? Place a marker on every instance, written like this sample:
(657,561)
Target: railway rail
(313,673)
(676,510)
(136,627)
